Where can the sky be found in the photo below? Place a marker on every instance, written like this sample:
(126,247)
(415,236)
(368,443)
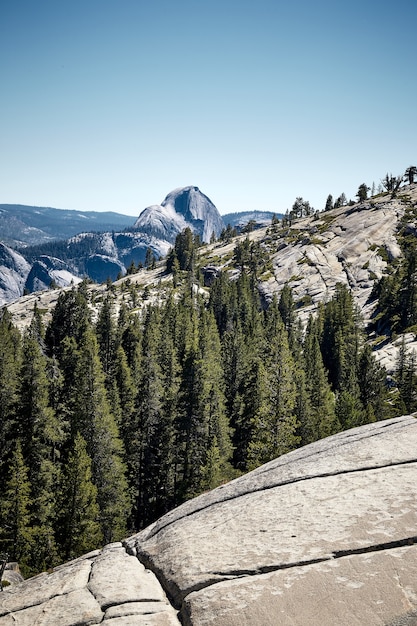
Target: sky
(108,105)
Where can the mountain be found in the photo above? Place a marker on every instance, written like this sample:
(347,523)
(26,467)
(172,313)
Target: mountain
(22,225)
(13,272)
(98,255)
(46,270)
(354,245)
(186,206)
(17,276)
(261,218)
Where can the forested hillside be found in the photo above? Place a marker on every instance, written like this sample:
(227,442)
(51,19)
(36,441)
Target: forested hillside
(129,398)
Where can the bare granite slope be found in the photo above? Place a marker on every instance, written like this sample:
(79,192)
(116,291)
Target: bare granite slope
(325,535)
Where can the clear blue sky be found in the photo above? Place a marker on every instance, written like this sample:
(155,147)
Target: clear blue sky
(111,104)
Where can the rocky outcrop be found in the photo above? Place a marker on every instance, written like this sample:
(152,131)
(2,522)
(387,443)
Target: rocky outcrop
(350,245)
(104,586)
(325,535)
(47,270)
(14,270)
(183,207)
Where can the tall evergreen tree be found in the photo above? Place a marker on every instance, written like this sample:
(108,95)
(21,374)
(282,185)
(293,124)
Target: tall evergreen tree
(41,435)
(70,318)
(10,353)
(93,419)
(78,518)
(372,386)
(340,339)
(275,431)
(106,335)
(15,534)
(322,420)
(146,460)
(212,398)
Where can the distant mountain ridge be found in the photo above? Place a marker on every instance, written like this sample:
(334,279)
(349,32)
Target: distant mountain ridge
(22,225)
(89,252)
(240,218)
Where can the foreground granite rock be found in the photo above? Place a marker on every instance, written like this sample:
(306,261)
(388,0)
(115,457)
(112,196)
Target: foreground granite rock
(324,535)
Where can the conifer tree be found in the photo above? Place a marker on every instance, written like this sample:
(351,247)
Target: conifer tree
(329,203)
(126,395)
(145,460)
(275,430)
(15,534)
(41,436)
(240,375)
(340,339)
(10,353)
(286,308)
(406,379)
(372,386)
(70,318)
(349,409)
(171,378)
(78,519)
(212,398)
(91,416)
(106,336)
(322,420)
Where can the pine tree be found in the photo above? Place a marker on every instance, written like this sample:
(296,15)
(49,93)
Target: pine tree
(275,426)
(212,399)
(349,409)
(10,354)
(70,318)
(406,379)
(340,339)
(106,335)
(240,375)
(362,193)
(41,435)
(16,535)
(329,203)
(286,308)
(170,371)
(322,420)
(91,416)
(78,519)
(372,386)
(145,459)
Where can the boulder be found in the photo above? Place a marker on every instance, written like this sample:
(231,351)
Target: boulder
(324,535)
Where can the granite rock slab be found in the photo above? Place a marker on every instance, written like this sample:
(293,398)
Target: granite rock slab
(346,497)
(323,536)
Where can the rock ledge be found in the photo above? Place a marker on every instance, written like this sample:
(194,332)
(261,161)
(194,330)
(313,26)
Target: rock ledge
(325,535)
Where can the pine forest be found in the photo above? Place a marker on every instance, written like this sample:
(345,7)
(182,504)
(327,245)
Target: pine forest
(108,421)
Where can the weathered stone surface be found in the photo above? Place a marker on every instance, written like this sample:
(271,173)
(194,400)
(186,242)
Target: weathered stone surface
(138,608)
(109,586)
(350,495)
(373,589)
(117,578)
(42,588)
(73,609)
(161,619)
(323,536)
